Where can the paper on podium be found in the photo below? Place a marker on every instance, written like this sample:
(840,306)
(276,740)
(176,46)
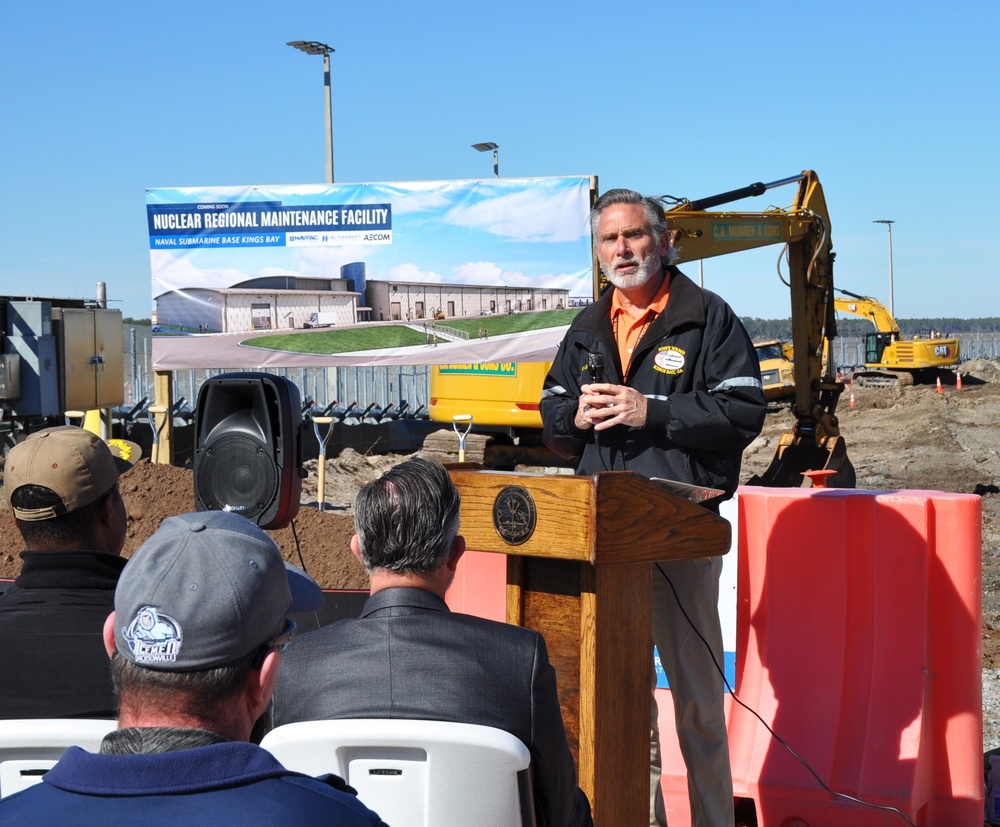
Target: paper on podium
(694,493)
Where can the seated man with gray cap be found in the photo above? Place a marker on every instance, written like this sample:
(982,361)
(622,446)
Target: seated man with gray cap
(201,620)
(61,485)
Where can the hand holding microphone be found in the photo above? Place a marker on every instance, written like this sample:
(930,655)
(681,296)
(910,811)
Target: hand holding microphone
(595,372)
(629,404)
(595,367)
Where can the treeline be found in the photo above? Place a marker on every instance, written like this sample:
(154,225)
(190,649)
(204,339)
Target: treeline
(763,329)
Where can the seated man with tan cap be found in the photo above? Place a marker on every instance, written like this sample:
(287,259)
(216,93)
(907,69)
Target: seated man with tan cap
(200,623)
(61,485)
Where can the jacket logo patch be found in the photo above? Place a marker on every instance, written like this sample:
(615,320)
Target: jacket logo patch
(669,360)
(153,637)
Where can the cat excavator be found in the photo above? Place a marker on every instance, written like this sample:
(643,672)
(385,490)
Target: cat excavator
(892,359)
(814,452)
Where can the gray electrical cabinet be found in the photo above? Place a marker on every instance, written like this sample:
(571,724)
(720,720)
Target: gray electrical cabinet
(28,336)
(57,358)
(10,376)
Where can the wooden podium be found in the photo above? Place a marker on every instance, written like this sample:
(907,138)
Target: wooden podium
(578,571)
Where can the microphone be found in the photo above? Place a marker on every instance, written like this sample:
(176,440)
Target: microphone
(595,367)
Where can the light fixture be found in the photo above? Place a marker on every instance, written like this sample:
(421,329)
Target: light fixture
(486,146)
(314,47)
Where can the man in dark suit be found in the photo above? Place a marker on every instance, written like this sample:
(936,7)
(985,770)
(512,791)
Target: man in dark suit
(409,657)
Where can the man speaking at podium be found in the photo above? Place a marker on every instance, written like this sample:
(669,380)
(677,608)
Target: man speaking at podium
(659,377)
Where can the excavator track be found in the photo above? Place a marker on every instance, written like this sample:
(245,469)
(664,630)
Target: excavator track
(882,379)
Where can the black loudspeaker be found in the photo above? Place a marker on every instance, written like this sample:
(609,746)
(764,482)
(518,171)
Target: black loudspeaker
(248,447)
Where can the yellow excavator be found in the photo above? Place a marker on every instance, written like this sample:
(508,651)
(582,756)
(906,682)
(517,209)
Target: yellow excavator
(815,445)
(892,359)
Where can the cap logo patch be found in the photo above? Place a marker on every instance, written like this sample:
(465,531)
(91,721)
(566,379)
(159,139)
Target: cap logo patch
(121,448)
(153,637)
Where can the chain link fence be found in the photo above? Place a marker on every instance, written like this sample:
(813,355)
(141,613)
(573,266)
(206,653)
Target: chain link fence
(398,384)
(379,385)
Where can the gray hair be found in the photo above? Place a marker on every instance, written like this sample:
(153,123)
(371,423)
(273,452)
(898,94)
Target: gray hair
(652,210)
(207,693)
(408,518)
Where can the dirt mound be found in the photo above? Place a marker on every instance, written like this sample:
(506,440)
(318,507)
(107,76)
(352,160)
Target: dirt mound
(317,541)
(985,370)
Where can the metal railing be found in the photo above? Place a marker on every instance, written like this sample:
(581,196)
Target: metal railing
(383,384)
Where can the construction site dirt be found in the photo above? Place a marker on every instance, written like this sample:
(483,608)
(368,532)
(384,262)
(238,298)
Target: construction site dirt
(912,438)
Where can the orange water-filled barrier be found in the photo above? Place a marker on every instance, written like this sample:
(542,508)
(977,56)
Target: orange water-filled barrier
(858,642)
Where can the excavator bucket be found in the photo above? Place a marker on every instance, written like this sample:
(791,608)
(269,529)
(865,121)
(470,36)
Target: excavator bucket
(795,455)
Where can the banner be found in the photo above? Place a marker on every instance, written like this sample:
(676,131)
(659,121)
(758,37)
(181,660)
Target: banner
(227,260)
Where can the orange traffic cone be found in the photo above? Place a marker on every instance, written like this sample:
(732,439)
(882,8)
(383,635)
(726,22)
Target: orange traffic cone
(852,399)
(939,388)
(958,380)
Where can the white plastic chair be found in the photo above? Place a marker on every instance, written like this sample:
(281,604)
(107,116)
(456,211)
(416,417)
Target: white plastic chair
(30,747)
(417,773)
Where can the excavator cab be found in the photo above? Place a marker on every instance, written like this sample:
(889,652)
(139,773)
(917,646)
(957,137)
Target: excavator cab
(875,346)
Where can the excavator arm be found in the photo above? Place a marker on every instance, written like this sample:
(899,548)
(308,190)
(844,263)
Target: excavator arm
(866,308)
(699,231)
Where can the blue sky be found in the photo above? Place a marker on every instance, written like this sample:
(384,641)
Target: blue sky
(894,106)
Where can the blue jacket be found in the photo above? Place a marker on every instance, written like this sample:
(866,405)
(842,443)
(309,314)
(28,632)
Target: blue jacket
(700,375)
(220,784)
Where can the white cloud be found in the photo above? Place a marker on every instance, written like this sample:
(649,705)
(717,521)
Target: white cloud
(528,215)
(412,273)
(478,272)
(416,202)
(325,262)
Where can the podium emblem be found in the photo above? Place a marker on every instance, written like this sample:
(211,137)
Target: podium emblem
(514,515)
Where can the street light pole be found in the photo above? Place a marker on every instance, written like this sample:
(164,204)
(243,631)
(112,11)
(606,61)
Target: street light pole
(486,146)
(888,223)
(313,47)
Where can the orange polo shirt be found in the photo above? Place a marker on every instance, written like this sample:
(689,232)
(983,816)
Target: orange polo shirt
(629,331)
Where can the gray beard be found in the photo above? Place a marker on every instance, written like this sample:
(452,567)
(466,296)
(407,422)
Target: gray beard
(649,267)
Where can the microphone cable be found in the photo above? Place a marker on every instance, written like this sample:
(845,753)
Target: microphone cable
(298,547)
(778,738)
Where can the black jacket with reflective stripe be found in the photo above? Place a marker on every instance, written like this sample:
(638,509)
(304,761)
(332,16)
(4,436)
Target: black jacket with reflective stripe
(700,374)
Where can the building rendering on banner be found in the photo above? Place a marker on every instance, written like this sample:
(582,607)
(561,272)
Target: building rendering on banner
(409,301)
(287,302)
(265,303)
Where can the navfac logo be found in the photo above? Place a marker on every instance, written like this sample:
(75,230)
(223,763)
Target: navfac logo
(153,637)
